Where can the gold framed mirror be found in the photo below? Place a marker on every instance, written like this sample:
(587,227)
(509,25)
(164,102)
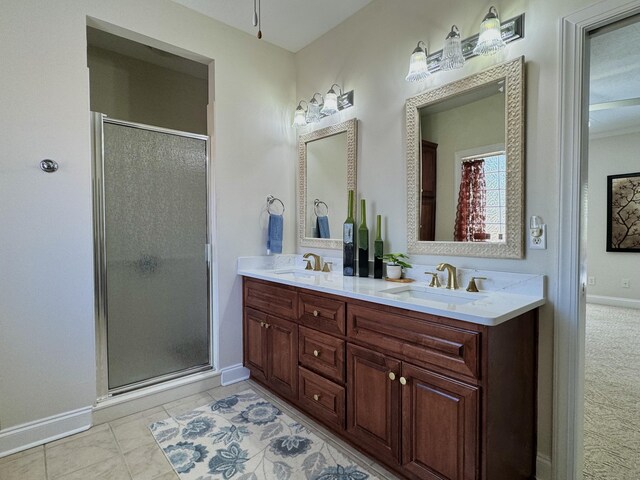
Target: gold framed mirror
(465,166)
(326,172)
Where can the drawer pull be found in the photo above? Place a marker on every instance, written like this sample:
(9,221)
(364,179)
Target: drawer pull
(316,397)
(392,376)
(315,313)
(316,353)
(403,381)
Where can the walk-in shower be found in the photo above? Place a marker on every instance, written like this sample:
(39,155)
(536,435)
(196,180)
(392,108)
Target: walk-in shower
(152,254)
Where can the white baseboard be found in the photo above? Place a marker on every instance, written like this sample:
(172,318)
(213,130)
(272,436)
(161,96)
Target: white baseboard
(233,374)
(149,397)
(613,301)
(32,434)
(543,467)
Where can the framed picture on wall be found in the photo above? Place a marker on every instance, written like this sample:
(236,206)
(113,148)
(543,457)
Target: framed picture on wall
(623,213)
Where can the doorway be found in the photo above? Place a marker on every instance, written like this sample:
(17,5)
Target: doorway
(612,325)
(569,335)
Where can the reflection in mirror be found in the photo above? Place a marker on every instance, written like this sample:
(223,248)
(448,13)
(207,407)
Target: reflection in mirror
(326,172)
(326,186)
(474,160)
(465,162)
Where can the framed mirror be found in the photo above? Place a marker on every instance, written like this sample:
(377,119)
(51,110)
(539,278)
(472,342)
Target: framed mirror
(326,172)
(465,166)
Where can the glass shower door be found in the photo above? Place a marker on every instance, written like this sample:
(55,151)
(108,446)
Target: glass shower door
(154,262)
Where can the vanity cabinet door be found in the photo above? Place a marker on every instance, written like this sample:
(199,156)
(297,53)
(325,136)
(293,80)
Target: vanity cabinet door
(373,402)
(282,356)
(439,426)
(255,343)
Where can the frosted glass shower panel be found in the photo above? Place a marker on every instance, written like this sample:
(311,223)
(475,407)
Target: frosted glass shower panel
(155,204)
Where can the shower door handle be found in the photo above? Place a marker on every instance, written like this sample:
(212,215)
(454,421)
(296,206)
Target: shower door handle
(207,252)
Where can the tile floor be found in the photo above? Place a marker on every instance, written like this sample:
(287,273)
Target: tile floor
(124,449)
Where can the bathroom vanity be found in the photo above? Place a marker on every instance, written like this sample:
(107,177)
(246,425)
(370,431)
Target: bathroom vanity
(430,389)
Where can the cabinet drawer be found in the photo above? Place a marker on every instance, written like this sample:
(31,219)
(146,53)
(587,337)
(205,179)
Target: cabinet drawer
(420,340)
(271,298)
(321,397)
(322,353)
(322,313)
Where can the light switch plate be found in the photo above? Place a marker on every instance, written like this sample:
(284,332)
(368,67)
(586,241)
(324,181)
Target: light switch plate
(540,242)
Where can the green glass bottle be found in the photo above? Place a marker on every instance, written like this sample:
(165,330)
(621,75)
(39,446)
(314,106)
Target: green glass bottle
(348,241)
(363,243)
(378,249)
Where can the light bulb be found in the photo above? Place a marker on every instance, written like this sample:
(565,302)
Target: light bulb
(490,39)
(418,69)
(452,57)
(300,117)
(330,102)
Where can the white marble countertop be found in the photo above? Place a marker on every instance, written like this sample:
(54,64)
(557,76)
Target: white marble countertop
(514,294)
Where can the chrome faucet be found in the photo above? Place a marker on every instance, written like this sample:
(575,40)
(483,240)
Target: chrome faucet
(317,262)
(452,280)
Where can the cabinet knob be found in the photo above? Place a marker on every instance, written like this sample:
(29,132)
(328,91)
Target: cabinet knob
(266,325)
(262,324)
(403,381)
(316,353)
(316,397)
(315,313)
(392,376)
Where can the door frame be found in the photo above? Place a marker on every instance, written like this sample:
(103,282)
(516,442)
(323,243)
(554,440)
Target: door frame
(569,324)
(100,261)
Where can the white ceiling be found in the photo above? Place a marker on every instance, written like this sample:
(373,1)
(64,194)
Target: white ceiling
(615,76)
(290,24)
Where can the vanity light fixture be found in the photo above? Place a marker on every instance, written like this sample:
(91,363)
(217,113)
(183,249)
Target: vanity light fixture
(313,110)
(490,39)
(512,29)
(331,101)
(300,116)
(452,57)
(319,107)
(418,69)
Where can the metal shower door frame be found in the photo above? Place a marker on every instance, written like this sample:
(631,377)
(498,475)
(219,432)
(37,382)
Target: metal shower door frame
(100,258)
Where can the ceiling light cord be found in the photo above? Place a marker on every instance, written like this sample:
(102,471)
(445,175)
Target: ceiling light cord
(259,21)
(255,13)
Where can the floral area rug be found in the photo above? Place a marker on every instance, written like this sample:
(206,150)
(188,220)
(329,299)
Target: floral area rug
(244,437)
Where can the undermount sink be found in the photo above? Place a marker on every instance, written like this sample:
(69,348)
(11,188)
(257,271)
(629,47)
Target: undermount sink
(297,274)
(431,294)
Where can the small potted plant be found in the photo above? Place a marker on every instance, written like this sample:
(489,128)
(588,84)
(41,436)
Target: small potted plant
(395,264)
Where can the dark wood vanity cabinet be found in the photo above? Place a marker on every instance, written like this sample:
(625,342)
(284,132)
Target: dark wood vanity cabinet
(430,397)
(271,341)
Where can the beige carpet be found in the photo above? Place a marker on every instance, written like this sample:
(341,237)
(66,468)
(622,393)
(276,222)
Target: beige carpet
(612,394)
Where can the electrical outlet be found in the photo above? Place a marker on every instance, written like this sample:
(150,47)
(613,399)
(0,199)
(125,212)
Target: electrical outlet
(625,283)
(591,280)
(538,242)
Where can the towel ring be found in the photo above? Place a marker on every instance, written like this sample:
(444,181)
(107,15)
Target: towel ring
(270,200)
(316,205)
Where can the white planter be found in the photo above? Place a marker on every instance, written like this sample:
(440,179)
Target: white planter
(394,272)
